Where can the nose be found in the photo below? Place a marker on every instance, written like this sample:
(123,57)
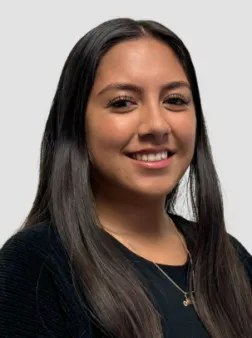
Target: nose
(154,124)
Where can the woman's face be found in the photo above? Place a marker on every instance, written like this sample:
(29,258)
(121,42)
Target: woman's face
(140,119)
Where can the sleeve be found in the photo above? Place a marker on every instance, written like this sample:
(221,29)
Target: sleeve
(28,301)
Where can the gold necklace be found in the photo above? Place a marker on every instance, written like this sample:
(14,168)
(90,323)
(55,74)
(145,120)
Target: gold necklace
(188,295)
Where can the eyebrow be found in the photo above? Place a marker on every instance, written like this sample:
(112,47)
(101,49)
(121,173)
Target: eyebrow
(134,88)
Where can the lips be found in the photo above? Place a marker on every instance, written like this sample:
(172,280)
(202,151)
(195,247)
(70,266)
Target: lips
(150,157)
(151,161)
(151,154)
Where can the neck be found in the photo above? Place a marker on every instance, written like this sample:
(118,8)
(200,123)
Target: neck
(134,217)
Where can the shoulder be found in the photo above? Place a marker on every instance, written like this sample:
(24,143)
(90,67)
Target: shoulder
(33,271)
(31,254)
(39,238)
(188,227)
(33,247)
(240,248)
(243,254)
(27,248)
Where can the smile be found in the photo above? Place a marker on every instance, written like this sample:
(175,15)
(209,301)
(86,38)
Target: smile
(150,160)
(151,157)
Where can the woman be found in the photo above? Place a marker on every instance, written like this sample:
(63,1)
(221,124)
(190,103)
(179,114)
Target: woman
(102,252)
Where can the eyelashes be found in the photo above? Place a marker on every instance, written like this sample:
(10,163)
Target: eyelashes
(120,102)
(126,102)
(178,99)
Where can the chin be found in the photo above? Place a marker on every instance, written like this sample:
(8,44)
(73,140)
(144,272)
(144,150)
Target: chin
(153,191)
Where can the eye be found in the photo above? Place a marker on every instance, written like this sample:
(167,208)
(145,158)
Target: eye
(121,102)
(177,101)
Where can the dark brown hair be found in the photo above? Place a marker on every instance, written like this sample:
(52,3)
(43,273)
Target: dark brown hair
(116,299)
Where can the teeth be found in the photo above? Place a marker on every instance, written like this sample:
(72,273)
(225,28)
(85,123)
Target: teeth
(151,157)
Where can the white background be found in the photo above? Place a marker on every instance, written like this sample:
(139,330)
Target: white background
(35,40)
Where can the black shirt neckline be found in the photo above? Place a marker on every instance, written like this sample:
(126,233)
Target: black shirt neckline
(139,259)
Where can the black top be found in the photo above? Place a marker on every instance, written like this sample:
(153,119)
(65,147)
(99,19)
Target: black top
(37,297)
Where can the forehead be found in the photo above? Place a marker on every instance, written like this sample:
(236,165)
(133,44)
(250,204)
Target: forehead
(145,61)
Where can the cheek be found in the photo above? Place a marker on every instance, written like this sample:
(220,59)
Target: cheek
(184,131)
(105,146)
(107,137)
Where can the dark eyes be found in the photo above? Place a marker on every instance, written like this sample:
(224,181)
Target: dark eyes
(174,101)
(178,101)
(121,102)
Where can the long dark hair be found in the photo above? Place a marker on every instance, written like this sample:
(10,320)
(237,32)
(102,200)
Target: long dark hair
(117,301)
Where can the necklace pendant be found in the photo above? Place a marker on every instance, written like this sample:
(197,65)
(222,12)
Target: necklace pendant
(187,301)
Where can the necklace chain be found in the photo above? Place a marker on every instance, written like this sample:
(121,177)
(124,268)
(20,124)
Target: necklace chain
(188,295)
